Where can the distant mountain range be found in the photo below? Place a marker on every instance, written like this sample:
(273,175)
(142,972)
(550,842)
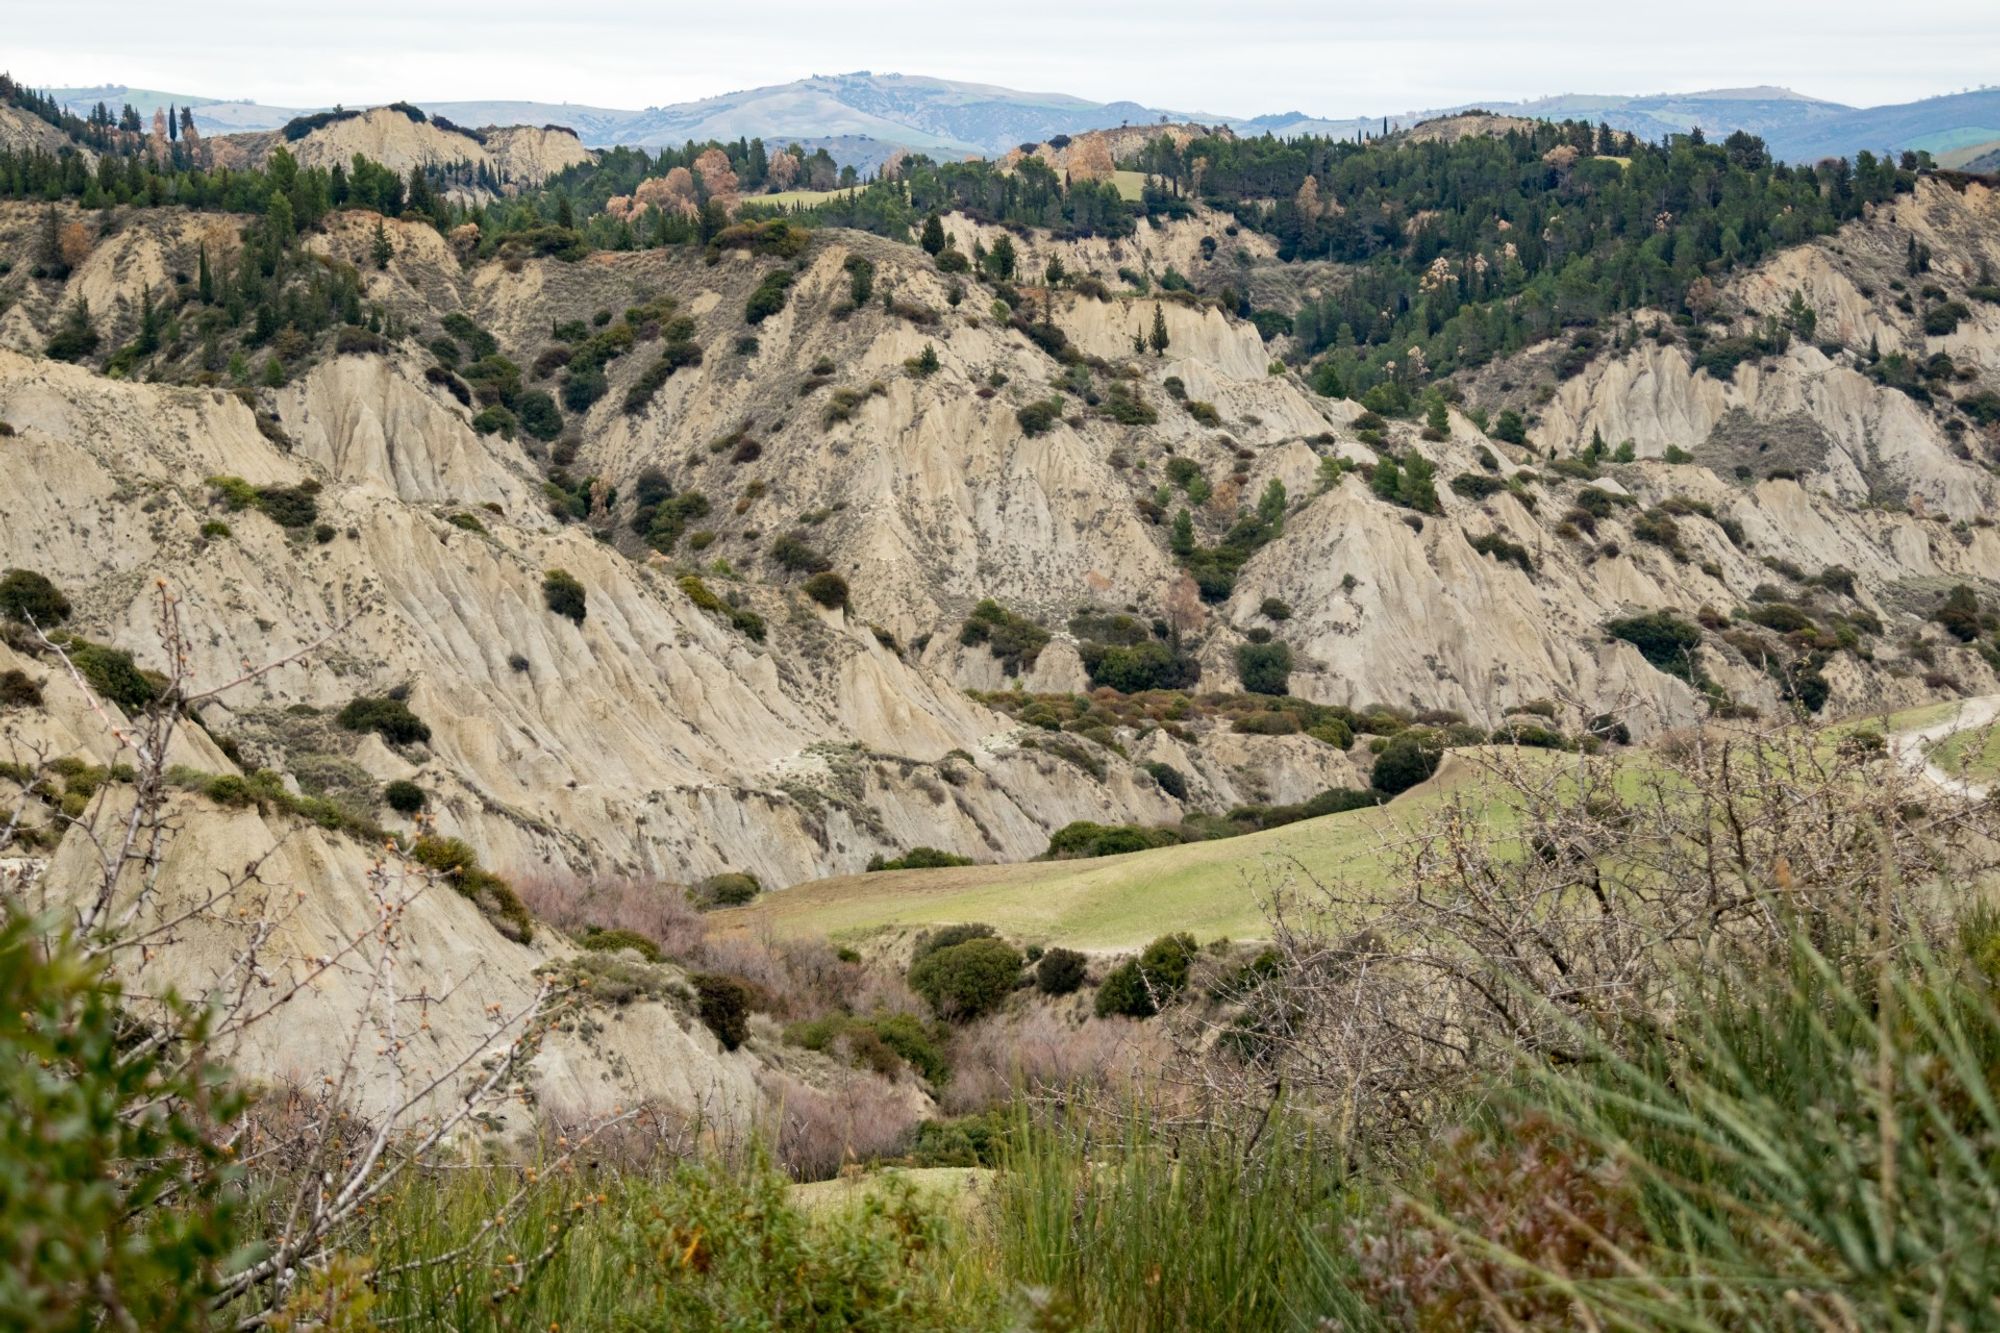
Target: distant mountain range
(863,116)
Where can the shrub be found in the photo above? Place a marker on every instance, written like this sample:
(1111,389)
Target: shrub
(121,1189)
(798,555)
(1171,780)
(1039,417)
(389,718)
(1959,613)
(920,858)
(768,298)
(494,420)
(944,937)
(1476,485)
(565,595)
(18,689)
(962,982)
(1130,669)
(1137,987)
(538,415)
(1942,319)
(1662,639)
(1015,641)
(112,673)
(26,595)
(828,589)
(723,1003)
(582,386)
(405,797)
(1060,972)
(1404,762)
(611,941)
(1264,668)
(731,888)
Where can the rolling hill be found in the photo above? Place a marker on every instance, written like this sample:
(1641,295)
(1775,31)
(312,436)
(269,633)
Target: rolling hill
(861,117)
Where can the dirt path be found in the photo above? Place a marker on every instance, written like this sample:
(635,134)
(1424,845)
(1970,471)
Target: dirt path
(1912,748)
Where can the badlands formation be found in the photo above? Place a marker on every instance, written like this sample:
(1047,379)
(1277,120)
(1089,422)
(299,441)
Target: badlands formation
(657,739)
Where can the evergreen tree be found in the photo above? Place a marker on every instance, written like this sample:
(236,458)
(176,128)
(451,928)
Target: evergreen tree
(1159,338)
(933,236)
(1437,419)
(382,251)
(204,280)
(1000,259)
(76,337)
(1182,541)
(1054,274)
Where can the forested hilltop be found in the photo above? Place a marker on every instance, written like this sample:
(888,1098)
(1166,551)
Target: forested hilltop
(1454,250)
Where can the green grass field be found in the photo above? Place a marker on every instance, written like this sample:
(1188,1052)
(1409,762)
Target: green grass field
(1130,184)
(1975,754)
(1114,902)
(787,198)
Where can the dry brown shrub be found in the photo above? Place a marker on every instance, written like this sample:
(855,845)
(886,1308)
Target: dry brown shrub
(1042,1051)
(658,910)
(817,1131)
(74,242)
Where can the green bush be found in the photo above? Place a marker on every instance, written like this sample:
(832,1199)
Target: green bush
(1959,613)
(565,595)
(769,297)
(966,981)
(798,555)
(538,414)
(723,1003)
(26,595)
(1264,668)
(18,689)
(1171,780)
(121,1192)
(387,717)
(731,888)
(495,420)
(1404,762)
(1662,639)
(1039,417)
(1137,987)
(457,862)
(113,674)
(1151,665)
(405,797)
(828,589)
(943,937)
(1060,972)
(611,941)
(1014,640)
(920,858)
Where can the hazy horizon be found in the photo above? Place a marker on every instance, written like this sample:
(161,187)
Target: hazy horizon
(1336,62)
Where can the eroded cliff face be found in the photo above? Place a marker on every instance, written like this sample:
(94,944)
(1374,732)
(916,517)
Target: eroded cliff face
(656,738)
(513,156)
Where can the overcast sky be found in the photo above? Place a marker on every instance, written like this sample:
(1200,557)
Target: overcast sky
(1242,57)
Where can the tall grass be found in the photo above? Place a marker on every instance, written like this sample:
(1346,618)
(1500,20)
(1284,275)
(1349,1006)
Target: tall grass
(1817,1146)
(706,1246)
(1140,1233)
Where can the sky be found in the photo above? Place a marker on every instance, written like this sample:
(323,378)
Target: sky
(1331,58)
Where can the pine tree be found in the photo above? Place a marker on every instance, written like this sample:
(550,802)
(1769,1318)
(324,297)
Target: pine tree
(1437,420)
(933,238)
(383,252)
(1182,541)
(1159,338)
(1054,274)
(204,280)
